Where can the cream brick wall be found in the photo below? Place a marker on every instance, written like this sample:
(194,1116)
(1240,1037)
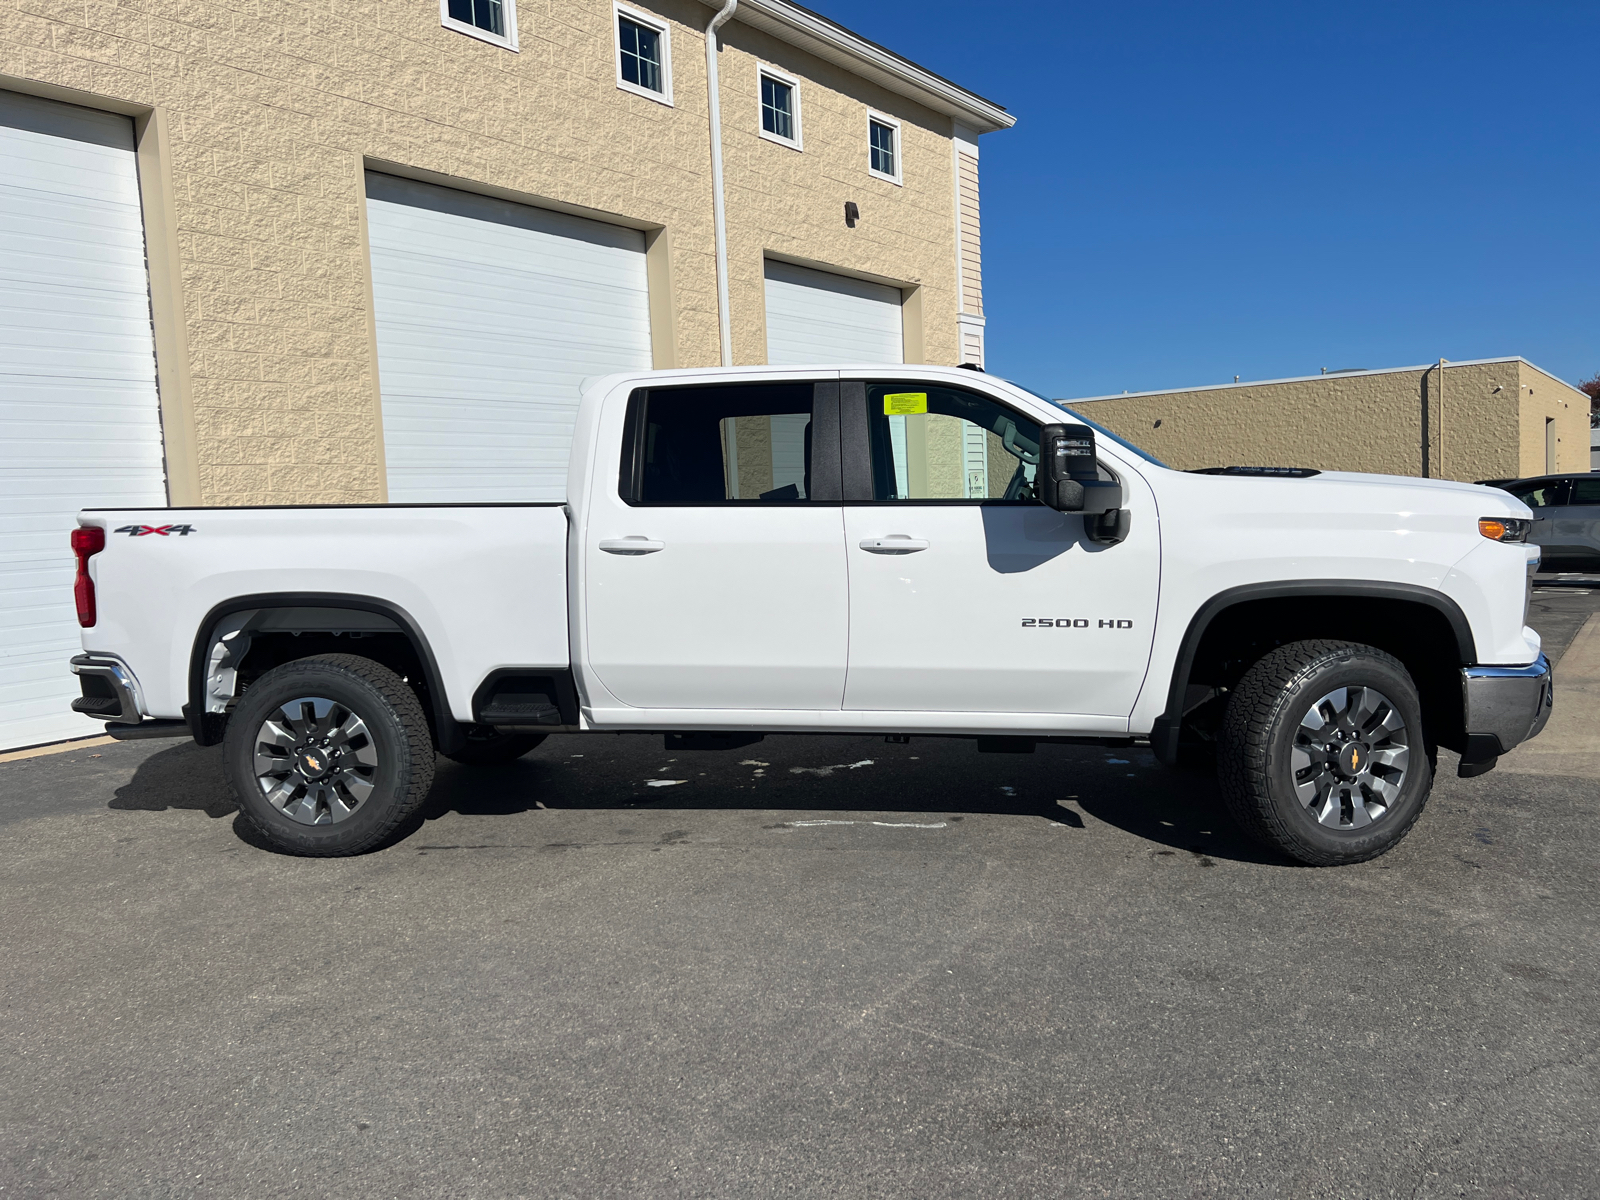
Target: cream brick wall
(271,108)
(1390,422)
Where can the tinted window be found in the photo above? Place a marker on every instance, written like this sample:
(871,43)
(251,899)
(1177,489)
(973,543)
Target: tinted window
(942,443)
(1539,493)
(1585,491)
(777,107)
(641,54)
(724,445)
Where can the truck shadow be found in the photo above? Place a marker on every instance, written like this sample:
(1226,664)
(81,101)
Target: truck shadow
(1176,809)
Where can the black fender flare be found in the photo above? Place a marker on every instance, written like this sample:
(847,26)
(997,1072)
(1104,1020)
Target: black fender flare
(1164,731)
(445,725)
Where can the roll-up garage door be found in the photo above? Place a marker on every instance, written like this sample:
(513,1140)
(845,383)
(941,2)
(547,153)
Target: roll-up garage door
(818,317)
(80,424)
(489,316)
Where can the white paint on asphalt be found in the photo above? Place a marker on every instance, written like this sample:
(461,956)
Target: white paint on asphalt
(664,782)
(882,824)
(824,772)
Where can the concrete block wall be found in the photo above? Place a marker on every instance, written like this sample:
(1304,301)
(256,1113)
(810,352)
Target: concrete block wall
(1385,422)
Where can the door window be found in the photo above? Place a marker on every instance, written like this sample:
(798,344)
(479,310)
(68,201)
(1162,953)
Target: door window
(1540,493)
(1585,491)
(944,443)
(720,445)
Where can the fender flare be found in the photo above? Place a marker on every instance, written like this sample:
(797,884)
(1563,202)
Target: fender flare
(1164,731)
(444,723)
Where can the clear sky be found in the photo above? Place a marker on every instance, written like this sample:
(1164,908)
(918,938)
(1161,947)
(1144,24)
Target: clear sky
(1198,190)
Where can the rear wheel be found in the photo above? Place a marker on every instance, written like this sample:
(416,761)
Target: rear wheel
(1322,753)
(329,755)
(485,747)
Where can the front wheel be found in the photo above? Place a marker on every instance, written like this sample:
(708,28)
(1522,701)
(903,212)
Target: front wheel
(1322,753)
(328,755)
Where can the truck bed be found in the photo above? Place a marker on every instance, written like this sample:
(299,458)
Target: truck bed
(485,583)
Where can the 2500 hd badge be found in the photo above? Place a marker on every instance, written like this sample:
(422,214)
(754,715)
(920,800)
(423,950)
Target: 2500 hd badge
(1073,623)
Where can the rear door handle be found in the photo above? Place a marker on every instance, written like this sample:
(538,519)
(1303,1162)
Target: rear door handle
(631,545)
(894,543)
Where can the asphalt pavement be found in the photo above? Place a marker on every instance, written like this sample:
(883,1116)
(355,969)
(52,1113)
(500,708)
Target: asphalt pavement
(816,966)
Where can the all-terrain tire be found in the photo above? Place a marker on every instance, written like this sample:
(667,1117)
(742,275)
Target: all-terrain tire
(488,749)
(1267,721)
(347,716)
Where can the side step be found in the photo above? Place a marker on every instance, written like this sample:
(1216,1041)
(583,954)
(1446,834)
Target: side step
(710,741)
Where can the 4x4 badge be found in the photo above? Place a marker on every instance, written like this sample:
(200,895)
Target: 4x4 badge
(163,530)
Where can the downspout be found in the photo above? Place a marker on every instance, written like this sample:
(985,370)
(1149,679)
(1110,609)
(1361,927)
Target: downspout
(719,216)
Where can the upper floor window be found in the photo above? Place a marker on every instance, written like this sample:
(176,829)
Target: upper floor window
(780,108)
(883,145)
(493,21)
(644,55)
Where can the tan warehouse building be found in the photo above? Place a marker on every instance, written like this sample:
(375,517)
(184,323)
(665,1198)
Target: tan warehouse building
(288,253)
(1494,418)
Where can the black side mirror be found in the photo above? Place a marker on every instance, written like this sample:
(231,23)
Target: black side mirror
(1069,477)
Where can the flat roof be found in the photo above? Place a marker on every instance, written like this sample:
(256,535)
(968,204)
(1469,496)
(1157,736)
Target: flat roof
(1244,383)
(831,41)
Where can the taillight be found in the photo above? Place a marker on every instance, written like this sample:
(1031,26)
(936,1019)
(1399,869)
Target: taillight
(86,541)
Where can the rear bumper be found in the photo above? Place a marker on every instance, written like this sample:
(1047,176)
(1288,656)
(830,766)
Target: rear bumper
(110,690)
(1504,707)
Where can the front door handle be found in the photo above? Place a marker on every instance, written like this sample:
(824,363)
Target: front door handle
(894,543)
(634,545)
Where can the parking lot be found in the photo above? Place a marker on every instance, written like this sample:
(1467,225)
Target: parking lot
(814,966)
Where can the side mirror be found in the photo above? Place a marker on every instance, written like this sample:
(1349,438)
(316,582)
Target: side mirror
(1069,477)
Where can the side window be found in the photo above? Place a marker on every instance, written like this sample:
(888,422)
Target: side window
(1541,493)
(943,443)
(1585,491)
(748,444)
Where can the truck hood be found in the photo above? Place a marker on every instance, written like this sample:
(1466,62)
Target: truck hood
(1353,492)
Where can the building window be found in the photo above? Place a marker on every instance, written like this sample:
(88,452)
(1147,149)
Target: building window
(492,21)
(883,145)
(644,55)
(780,108)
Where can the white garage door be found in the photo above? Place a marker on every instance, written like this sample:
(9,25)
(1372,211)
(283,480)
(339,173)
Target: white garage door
(817,317)
(490,314)
(80,425)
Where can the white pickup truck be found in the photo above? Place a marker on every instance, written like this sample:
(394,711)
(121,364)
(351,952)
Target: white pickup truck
(891,550)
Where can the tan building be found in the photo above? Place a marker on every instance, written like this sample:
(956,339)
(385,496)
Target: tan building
(279,253)
(1494,418)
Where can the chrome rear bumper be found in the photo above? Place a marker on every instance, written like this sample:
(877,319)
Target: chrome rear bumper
(110,691)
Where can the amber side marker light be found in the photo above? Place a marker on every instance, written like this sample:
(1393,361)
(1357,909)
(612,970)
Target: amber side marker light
(1504,529)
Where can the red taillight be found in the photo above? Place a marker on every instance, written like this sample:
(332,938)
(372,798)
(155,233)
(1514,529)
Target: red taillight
(86,541)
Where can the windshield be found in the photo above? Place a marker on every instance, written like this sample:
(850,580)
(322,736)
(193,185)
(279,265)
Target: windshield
(1098,428)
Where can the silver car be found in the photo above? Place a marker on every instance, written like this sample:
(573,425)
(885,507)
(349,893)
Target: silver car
(1566,518)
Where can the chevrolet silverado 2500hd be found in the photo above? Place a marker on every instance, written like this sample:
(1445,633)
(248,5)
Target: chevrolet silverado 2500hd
(897,550)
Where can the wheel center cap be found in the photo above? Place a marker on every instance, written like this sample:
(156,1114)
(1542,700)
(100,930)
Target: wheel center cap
(314,763)
(1352,759)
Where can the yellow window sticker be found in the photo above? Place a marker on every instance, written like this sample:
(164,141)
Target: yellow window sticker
(900,404)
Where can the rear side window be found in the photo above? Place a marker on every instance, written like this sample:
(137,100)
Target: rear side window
(1539,493)
(1585,491)
(720,445)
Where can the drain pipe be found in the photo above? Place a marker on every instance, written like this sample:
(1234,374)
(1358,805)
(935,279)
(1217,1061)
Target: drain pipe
(719,216)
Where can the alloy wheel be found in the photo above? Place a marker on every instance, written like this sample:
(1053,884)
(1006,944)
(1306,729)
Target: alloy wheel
(315,761)
(1349,759)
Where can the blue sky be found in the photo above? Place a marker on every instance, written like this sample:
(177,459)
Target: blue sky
(1200,190)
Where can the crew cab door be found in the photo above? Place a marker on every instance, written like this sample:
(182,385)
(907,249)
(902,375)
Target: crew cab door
(714,569)
(966,593)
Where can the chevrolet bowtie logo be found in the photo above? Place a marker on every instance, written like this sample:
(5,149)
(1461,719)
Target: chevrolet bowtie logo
(312,762)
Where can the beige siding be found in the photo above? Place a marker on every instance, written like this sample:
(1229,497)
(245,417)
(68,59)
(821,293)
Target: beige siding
(1484,425)
(971,241)
(272,110)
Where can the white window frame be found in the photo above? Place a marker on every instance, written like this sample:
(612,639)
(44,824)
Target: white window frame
(508,42)
(765,72)
(618,11)
(899,149)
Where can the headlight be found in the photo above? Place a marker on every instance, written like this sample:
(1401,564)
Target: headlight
(1504,529)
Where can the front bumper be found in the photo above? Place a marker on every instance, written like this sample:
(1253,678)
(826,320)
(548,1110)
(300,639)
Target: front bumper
(1503,707)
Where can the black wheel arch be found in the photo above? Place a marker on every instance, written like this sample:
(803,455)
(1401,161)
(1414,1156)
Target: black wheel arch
(208,732)
(1449,627)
